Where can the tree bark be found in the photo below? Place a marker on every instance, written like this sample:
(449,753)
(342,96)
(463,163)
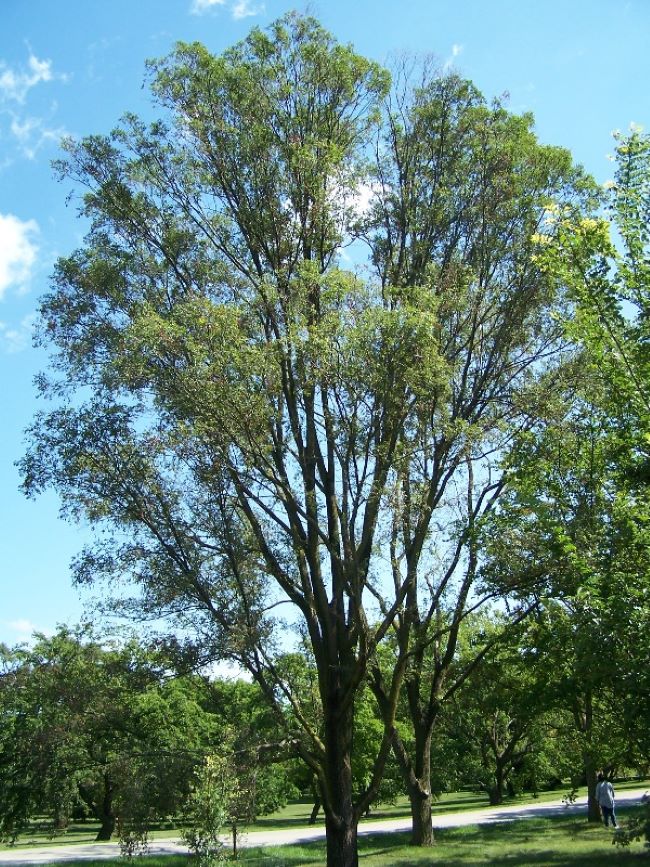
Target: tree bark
(593,808)
(61,819)
(341,843)
(422,827)
(417,777)
(314,811)
(341,818)
(495,792)
(495,795)
(106,813)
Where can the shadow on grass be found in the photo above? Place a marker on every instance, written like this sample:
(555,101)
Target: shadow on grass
(149,860)
(526,859)
(444,805)
(455,847)
(282,824)
(470,847)
(379,813)
(524,843)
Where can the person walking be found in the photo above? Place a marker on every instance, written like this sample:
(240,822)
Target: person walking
(605,798)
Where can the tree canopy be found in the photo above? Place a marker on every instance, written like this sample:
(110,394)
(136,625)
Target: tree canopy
(95,731)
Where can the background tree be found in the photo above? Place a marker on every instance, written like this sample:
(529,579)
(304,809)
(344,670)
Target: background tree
(94,731)
(606,264)
(252,745)
(566,527)
(300,676)
(504,717)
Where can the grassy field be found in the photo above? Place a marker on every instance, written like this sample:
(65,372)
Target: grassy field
(297,814)
(559,842)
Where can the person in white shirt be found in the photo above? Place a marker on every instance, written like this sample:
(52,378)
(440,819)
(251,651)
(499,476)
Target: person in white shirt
(605,797)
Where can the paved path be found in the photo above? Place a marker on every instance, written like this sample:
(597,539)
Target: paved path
(94,851)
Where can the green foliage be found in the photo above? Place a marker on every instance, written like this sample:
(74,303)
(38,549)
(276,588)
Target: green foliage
(104,732)
(563,540)
(638,828)
(208,810)
(230,789)
(500,732)
(93,730)
(581,487)
(604,263)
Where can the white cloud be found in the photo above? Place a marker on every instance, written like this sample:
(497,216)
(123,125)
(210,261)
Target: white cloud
(238,8)
(244,9)
(15,84)
(456,51)
(199,7)
(13,340)
(32,133)
(29,133)
(22,625)
(17,252)
(365,194)
(24,630)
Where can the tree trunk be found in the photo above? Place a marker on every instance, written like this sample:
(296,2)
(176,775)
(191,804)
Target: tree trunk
(341,844)
(495,792)
(415,768)
(106,813)
(314,811)
(593,808)
(495,796)
(340,816)
(61,818)
(421,827)
(418,784)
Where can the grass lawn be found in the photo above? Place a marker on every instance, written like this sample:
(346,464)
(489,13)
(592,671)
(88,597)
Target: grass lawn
(558,842)
(297,814)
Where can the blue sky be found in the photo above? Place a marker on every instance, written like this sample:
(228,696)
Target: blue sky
(72,67)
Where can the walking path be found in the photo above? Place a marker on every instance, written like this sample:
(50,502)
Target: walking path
(94,851)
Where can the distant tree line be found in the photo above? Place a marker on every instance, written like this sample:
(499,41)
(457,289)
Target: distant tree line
(108,733)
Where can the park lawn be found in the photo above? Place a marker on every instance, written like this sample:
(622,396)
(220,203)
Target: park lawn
(562,841)
(296,815)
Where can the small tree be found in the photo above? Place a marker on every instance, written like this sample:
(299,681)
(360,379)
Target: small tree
(231,788)
(207,811)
